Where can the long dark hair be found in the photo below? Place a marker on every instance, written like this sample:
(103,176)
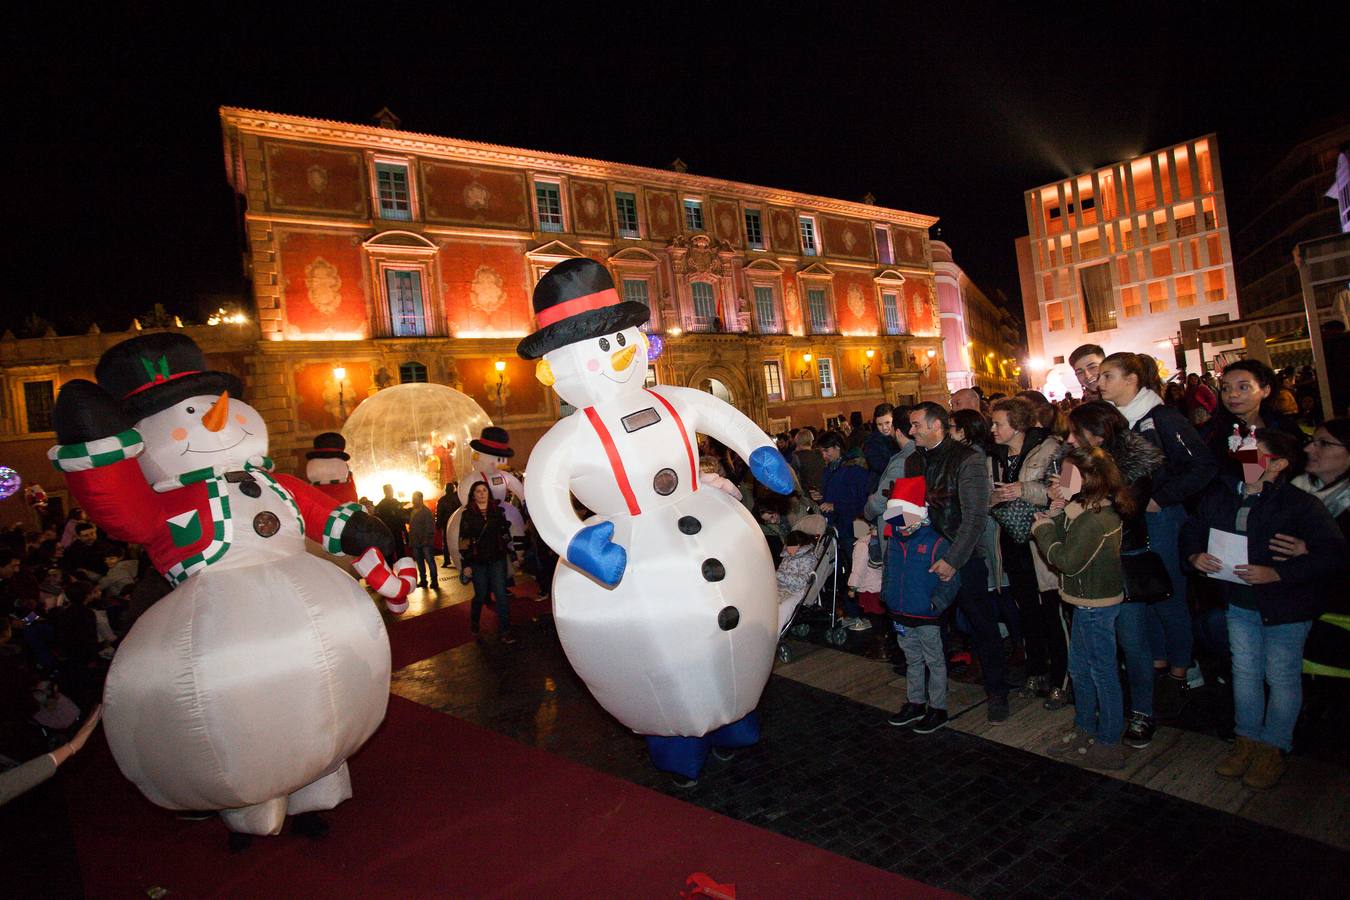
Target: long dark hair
(974,426)
(492,501)
(1143,367)
(1101,420)
(1102,481)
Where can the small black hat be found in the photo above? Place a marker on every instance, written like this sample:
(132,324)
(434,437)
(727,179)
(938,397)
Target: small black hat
(150,373)
(574,301)
(493,442)
(329,445)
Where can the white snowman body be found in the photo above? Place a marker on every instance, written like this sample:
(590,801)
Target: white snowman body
(684,643)
(248,686)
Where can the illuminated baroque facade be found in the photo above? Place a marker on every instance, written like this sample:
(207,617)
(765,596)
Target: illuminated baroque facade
(1130,256)
(402,256)
(981,341)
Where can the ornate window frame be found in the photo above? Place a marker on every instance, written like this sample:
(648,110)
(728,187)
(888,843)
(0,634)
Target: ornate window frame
(636,192)
(766,273)
(637,264)
(404,251)
(817,275)
(409,163)
(890,281)
(564,206)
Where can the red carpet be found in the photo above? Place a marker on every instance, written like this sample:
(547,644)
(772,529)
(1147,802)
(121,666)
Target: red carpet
(446,809)
(423,636)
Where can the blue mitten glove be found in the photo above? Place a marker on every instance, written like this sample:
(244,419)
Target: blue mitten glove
(594,552)
(771,470)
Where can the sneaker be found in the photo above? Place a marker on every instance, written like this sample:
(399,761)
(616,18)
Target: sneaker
(1266,769)
(908,714)
(724,754)
(508,638)
(931,722)
(860,624)
(1099,756)
(1170,696)
(1139,731)
(1069,742)
(998,710)
(1238,759)
(1058,699)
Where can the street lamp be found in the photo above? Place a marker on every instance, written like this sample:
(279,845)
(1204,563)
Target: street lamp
(500,366)
(867,366)
(340,375)
(806,367)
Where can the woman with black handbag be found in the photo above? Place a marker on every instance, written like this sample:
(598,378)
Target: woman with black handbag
(1099,424)
(485,546)
(1023,454)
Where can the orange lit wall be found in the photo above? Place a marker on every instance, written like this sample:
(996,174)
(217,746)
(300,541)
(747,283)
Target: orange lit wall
(302,178)
(590,207)
(918,309)
(855,299)
(726,221)
(847,238)
(317,398)
(521,391)
(664,216)
(322,279)
(908,246)
(485,287)
(782,225)
(470,195)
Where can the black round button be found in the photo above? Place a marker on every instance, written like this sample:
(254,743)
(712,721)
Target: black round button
(713,570)
(665,482)
(266,524)
(690,525)
(251,489)
(728,618)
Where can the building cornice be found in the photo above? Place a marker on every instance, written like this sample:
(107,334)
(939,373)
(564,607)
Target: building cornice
(371,137)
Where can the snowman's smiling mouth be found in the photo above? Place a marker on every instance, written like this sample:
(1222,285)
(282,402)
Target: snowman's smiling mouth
(631,370)
(188,449)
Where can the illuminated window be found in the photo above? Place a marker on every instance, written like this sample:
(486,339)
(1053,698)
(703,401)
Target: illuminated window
(705,304)
(412,373)
(1215,290)
(548,205)
(1157,297)
(754,229)
(817,307)
(391,179)
(1215,249)
(1185,287)
(1054,316)
(884,254)
(38,399)
(1129,298)
(1099,306)
(403,288)
(693,215)
(625,210)
(773,379)
(1162,261)
(635,290)
(807,225)
(825,370)
(766,310)
(890,311)
(1141,172)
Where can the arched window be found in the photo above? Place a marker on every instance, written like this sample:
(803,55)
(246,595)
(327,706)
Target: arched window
(412,373)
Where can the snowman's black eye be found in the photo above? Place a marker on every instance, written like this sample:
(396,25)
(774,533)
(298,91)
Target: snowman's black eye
(190,410)
(604,343)
(620,339)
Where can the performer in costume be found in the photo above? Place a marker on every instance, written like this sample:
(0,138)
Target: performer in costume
(666,603)
(326,467)
(248,686)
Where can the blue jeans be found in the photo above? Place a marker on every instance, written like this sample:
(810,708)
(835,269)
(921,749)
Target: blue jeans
(1099,708)
(1132,632)
(425,556)
(1266,655)
(1169,621)
(491,577)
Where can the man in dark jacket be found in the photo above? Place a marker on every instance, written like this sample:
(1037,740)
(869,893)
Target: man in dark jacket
(843,494)
(957,488)
(445,508)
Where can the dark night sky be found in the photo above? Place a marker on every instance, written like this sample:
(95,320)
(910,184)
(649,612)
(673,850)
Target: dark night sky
(116,176)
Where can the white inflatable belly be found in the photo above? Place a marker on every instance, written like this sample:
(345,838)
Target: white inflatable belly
(653,651)
(246,684)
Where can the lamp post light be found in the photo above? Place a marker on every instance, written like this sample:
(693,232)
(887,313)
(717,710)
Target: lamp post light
(500,366)
(867,366)
(806,367)
(340,375)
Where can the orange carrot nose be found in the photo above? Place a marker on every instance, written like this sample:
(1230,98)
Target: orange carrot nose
(215,417)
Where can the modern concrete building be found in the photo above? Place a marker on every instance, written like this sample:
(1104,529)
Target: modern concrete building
(1132,256)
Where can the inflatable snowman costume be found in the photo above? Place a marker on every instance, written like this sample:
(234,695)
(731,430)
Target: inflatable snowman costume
(666,604)
(247,687)
(326,467)
(491,449)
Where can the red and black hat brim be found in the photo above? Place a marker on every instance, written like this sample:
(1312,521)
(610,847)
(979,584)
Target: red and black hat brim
(593,323)
(504,452)
(160,396)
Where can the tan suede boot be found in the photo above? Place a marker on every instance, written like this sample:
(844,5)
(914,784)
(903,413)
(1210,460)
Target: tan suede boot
(1266,769)
(1238,760)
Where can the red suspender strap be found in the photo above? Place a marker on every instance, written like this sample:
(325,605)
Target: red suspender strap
(615,463)
(688,448)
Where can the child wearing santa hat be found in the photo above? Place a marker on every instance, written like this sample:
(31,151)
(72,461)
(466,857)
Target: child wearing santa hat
(916,598)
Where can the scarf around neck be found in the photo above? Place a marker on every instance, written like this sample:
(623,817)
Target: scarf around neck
(1137,408)
(1335,496)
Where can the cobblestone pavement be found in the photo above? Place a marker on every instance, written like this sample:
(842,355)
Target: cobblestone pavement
(950,809)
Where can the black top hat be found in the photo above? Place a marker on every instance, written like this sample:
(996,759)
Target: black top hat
(574,301)
(329,445)
(493,442)
(150,373)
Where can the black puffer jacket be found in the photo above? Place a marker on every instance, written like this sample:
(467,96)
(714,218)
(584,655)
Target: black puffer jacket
(1189,467)
(1281,508)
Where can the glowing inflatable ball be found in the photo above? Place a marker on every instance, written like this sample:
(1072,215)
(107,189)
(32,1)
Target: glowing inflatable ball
(245,689)
(10,482)
(394,436)
(666,603)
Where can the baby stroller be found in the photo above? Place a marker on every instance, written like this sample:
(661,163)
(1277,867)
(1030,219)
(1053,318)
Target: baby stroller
(795,613)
